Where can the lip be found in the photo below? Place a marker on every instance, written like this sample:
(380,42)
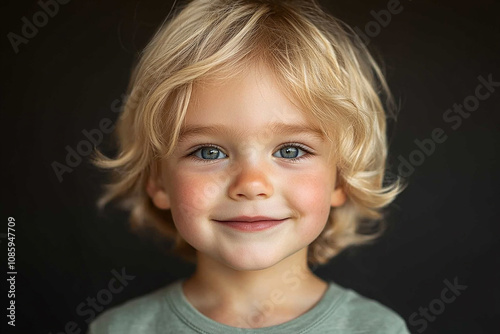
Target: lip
(251,224)
(249,219)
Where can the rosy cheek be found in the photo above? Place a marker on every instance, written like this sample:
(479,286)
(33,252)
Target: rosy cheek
(191,196)
(311,190)
(311,197)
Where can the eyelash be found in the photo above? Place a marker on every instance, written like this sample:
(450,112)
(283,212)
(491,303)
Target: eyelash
(307,154)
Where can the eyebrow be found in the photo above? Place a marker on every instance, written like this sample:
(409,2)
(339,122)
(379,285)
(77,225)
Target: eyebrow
(277,128)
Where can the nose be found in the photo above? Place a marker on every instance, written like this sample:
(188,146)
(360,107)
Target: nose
(250,182)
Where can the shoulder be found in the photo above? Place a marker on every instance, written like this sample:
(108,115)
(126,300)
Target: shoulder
(139,315)
(366,315)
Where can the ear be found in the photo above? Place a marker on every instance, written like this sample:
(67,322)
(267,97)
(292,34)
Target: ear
(338,196)
(158,195)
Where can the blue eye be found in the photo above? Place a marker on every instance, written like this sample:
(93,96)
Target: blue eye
(209,153)
(291,152)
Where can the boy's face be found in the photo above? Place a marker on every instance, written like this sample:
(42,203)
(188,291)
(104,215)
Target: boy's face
(248,172)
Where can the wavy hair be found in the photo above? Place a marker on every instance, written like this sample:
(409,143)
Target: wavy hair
(319,63)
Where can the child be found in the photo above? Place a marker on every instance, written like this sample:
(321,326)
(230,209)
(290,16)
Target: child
(255,139)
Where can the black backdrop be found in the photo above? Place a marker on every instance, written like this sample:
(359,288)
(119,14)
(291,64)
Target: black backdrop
(70,73)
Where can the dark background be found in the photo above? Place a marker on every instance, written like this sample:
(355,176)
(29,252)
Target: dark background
(68,78)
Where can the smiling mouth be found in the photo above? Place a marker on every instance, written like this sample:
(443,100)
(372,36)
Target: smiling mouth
(251,225)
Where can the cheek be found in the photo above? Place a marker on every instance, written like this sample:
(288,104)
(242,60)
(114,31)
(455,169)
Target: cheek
(310,196)
(191,197)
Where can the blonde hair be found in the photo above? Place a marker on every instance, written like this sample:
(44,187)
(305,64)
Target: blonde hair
(319,63)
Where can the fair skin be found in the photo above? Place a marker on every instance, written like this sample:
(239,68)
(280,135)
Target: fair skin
(258,278)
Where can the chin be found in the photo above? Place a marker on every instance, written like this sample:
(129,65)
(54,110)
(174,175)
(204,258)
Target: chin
(250,262)
(248,266)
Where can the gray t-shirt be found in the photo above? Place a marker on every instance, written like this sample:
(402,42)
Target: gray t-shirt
(167,310)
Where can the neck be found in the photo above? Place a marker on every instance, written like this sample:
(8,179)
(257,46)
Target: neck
(274,295)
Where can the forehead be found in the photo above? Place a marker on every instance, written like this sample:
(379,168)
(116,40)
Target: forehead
(247,100)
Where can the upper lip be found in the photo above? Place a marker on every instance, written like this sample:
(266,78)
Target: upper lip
(248,219)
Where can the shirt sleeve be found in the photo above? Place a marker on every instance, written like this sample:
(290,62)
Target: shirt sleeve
(403,329)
